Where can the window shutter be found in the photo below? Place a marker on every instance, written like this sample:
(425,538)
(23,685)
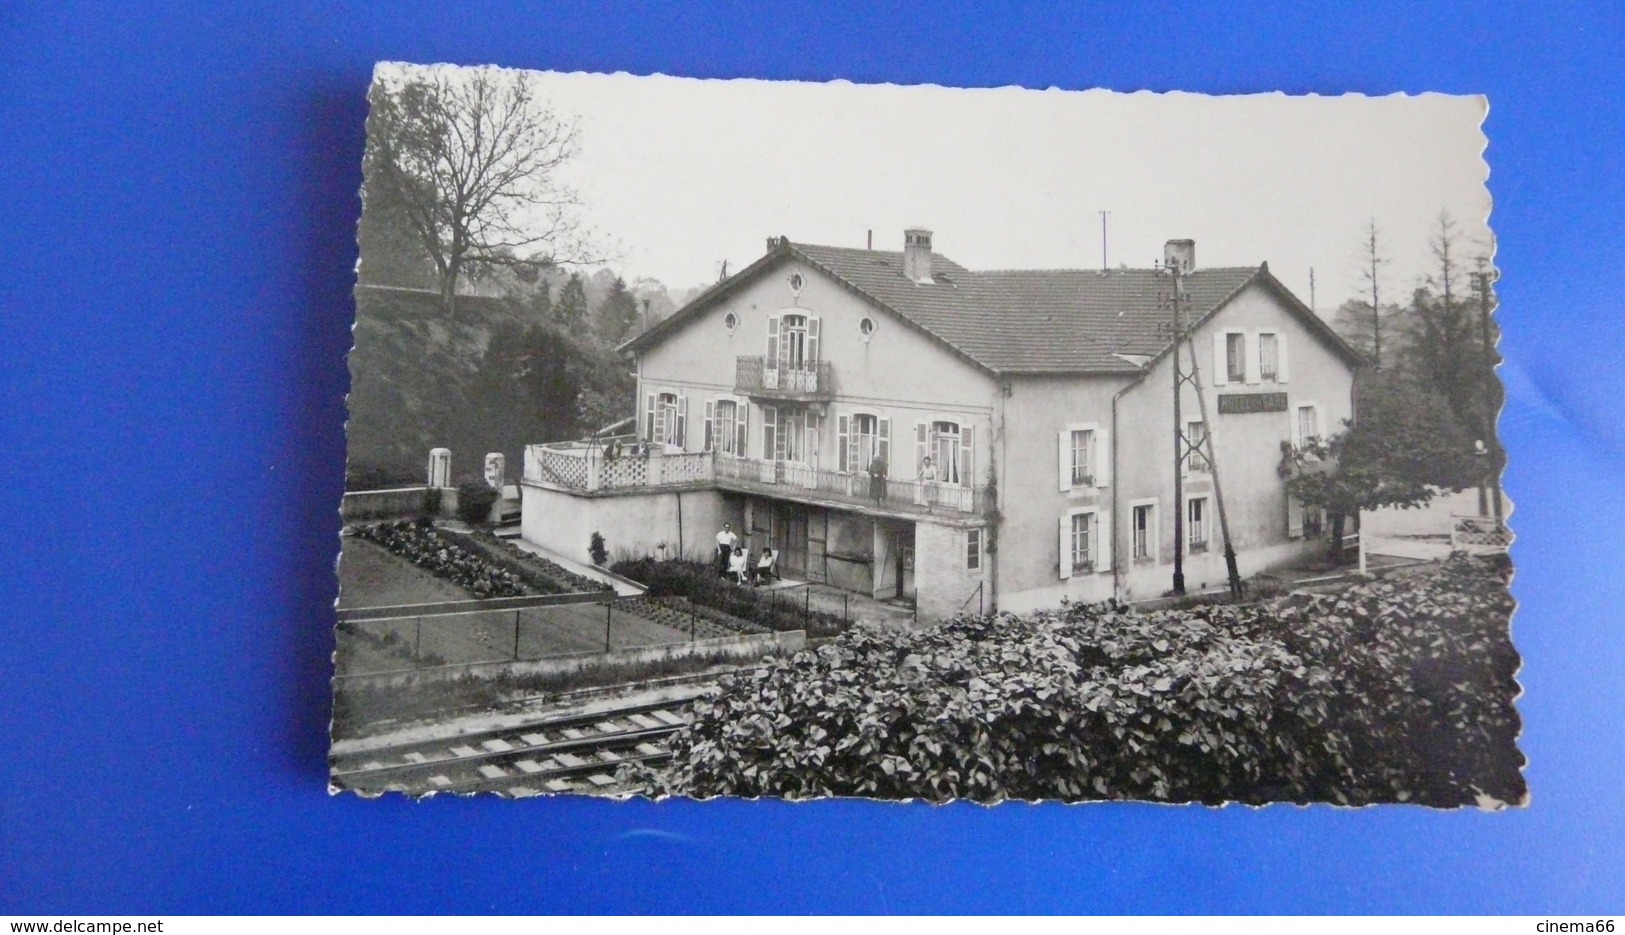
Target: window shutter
(883,444)
(658,436)
(1280,357)
(1101,541)
(1103,458)
(741,429)
(922,445)
(770,418)
(967,456)
(1294,518)
(1063,464)
(1251,357)
(1221,361)
(843,439)
(649,418)
(812,342)
(772,356)
(710,425)
(1064,562)
(682,422)
(1320,425)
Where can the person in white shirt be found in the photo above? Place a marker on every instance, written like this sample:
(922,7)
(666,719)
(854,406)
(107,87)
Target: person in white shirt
(927,480)
(736,565)
(726,543)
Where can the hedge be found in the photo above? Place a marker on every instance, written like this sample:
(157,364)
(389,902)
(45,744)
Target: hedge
(700,583)
(1395,690)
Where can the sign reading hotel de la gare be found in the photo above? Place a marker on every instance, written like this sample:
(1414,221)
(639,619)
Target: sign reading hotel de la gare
(1251,402)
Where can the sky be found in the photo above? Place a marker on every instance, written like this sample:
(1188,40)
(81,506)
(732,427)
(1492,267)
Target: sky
(679,174)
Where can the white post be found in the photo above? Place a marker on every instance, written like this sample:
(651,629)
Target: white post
(439,467)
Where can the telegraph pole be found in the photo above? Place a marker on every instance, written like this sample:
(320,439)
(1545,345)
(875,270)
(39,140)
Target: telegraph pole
(1175,300)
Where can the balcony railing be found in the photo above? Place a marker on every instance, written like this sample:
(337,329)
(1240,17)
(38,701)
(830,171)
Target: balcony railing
(778,379)
(589,469)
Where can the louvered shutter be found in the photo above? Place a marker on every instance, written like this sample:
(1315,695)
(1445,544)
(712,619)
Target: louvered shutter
(770,424)
(922,445)
(770,361)
(1221,362)
(649,418)
(741,429)
(1103,458)
(812,343)
(967,456)
(1294,518)
(1101,541)
(883,441)
(1063,461)
(1280,357)
(1064,551)
(843,439)
(1250,358)
(711,434)
(682,422)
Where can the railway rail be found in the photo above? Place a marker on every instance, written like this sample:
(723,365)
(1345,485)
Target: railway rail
(576,752)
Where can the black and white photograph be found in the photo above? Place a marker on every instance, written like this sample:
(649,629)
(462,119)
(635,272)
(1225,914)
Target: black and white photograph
(797,440)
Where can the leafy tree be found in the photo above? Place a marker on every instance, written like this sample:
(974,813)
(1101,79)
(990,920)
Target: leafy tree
(1405,445)
(571,308)
(471,160)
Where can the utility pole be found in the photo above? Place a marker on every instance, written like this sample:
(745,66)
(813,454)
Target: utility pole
(1178,302)
(1103,266)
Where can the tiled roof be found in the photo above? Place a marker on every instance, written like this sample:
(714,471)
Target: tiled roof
(1017,321)
(1013,321)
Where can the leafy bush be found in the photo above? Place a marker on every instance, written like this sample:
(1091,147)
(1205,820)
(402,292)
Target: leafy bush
(539,574)
(436,552)
(474,500)
(596,549)
(432,499)
(698,581)
(1396,690)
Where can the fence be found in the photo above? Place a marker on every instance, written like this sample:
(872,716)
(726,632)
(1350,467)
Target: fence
(1478,534)
(369,505)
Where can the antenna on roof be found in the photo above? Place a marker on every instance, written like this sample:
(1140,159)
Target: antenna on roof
(1103,265)
(1312,290)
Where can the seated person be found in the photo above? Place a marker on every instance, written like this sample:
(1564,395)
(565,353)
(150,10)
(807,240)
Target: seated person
(736,565)
(767,566)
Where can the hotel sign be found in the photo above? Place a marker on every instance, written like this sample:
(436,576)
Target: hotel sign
(1251,402)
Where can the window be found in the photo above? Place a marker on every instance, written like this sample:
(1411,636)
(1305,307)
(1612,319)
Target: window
(1083,458)
(866,327)
(1196,523)
(730,321)
(1082,534)
(1142,531)
(860,439)
(725,435)
(1196,436)
(945,451)
(1269,358)
(973,549)
(1313,521)
(793,342)
(1308,425)
(1235,357)
(665,419)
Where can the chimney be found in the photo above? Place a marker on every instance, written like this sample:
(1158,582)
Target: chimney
(917,255)
(1180,253)
(773,243)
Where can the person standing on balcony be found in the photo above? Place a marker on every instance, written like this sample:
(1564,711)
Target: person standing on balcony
(726,543)
(877,479)
(926,480)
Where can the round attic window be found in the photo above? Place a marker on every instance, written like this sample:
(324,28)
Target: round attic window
(796,282)
(730,321)
(866,327)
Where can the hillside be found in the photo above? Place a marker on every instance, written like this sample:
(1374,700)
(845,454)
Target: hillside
(495,378)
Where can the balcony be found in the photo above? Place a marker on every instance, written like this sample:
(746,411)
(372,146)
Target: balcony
(586,468)
(754,377)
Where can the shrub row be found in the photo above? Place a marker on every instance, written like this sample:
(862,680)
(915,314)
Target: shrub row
(700,583)
(1395,690)
(540,574)
(436,552)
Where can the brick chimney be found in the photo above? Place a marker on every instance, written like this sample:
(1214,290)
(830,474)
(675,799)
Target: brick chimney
(917,255)
(1181,253)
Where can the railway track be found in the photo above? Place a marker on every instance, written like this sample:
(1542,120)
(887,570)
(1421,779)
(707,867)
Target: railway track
(576,752)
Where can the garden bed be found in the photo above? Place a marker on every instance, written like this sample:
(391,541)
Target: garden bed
(480,563)
(699,582)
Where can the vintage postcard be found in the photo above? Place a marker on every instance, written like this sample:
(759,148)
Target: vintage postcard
(741,438)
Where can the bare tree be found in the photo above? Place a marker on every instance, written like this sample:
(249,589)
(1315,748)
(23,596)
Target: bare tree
(472,159)
(1373,261)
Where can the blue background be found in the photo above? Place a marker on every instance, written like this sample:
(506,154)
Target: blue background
(176,253)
